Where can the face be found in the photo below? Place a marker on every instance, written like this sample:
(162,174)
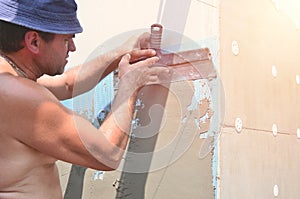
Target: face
(57,53)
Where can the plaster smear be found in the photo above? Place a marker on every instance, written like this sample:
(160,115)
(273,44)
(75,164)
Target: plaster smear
(201,102)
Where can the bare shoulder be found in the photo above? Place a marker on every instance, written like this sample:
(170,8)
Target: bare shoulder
(17,89)
(22,98)
(31,114)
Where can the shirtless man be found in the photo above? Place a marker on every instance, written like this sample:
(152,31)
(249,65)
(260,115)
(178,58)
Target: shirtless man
(35,129)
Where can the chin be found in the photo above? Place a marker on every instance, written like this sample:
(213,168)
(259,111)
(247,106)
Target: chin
(59,72)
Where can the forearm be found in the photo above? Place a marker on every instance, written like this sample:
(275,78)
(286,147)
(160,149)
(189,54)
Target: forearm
(104,147)
(107,146)
(117,125)
(90,73)
(82,78)
(86,76)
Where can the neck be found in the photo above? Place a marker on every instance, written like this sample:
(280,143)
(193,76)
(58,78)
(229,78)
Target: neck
(20,69)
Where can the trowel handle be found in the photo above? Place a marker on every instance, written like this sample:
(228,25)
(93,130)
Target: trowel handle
(156,34)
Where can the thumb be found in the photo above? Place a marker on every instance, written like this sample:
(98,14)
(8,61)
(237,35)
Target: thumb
(125,60)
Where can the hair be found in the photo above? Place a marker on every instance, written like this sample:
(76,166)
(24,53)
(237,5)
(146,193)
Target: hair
(12,35)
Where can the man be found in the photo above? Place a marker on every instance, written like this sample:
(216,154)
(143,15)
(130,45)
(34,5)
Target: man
(36,130)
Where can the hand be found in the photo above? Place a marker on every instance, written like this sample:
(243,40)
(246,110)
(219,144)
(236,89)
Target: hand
(144,41)
(136,43)
(134,76)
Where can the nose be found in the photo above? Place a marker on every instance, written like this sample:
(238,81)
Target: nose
(71,45)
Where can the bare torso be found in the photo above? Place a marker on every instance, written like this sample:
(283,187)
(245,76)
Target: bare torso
(26,173)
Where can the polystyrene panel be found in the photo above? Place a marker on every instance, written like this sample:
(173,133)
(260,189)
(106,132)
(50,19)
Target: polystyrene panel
(266,38)
(253,162)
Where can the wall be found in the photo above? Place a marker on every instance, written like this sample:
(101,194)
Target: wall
(259,144)
(189,174)
(255,46)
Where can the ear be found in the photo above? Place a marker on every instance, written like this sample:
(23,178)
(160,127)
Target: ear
(32,41)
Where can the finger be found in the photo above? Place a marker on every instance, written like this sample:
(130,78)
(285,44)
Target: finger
(157,70)
(145,40)
(145,35)
(147,62)
(125,60)
(138,54)
(160,74)
(155,79)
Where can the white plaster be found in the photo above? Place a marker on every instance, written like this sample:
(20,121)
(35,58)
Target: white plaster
(136,123)
(202,91)
(99,175)
(203,135)
(183,120)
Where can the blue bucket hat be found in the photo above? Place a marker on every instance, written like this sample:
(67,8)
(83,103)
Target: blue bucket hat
(53,16)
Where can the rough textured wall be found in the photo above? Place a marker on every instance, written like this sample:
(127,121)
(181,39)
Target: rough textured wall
(259,63)
(187,175)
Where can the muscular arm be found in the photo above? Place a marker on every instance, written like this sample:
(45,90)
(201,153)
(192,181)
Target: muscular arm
(34,116)
(84,77)
(37,119)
